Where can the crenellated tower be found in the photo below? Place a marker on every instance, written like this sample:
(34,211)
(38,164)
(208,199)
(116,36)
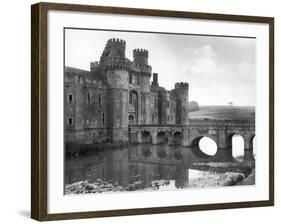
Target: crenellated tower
(115,68)
(182,112)
(140,56)
(113,56)
(114,47)
(141,70)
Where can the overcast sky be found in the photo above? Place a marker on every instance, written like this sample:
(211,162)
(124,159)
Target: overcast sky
(219,70)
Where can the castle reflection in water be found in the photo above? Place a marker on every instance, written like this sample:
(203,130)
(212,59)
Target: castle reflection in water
(142,163)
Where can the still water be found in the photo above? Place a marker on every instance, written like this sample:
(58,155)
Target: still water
(138,167)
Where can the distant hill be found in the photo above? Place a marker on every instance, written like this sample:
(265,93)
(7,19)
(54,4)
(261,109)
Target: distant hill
(193,106)
(242,113)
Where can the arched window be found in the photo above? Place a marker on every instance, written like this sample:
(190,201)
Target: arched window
(70,121)
(130,78)
(70,98)
(117,123)
(117,104)
(99,99)
(133,100)
(88,98)
(130,99)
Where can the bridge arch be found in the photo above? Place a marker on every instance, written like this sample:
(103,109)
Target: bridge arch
(175,138)
(249,148)
(253,144)
(145,137)
(236,143)
(196,138)
(252,141)
(202,150)
(161,137)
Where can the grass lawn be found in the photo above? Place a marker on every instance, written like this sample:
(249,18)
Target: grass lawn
(241,113)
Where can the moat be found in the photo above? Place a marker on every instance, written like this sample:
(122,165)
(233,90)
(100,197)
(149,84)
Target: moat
(148,167)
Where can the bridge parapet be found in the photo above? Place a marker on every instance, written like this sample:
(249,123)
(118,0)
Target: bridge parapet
(209,125)
(210,122)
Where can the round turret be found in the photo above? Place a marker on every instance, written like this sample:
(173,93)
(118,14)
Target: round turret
(181,91)
(116,67)
(94,66)
(181,85)
(140,56)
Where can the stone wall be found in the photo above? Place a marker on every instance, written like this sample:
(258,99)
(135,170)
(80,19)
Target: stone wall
(97,101)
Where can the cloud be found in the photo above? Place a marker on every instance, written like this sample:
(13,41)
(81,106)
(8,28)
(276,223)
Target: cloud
(218,69)
(215,80)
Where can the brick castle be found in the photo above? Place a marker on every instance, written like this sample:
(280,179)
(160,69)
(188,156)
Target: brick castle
(101,103)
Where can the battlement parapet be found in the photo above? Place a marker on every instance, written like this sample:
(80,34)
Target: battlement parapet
(142,68)
(140,56)
(181,85)
(115,41)
(94,65)
(114,62)
(140,52)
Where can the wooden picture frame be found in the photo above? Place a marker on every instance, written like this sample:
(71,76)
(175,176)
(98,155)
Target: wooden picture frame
(39,110)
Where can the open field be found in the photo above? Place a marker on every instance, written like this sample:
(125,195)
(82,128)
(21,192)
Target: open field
(241,113)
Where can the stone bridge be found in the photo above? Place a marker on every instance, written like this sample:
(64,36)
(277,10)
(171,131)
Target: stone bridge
(220,131)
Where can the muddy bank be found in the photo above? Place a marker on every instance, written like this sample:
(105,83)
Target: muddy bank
(219,167)
(101,186)
(249,180)
(228,174)
(212,179)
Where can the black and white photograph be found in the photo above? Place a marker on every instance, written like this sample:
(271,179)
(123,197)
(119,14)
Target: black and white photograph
(157,111)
